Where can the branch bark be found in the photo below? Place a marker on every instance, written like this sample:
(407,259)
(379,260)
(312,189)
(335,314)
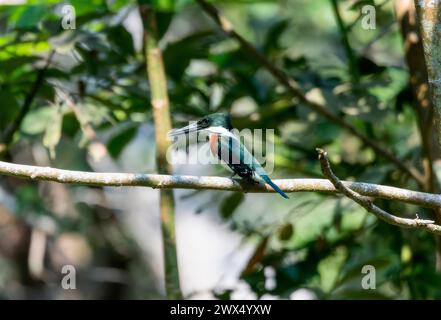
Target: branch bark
(161,116)
(425,51)
(295,91)
(159,181)
(429,17)
(367,203)
(418,78)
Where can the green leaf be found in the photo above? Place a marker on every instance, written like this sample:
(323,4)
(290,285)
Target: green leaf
(437,169)
(36,120)
(52,134)
(273,35)
(9,109)
(354,272)
(8,66)
(117,5)
(230,204)
(83,7)
(31,16)
(178,55)
(367,66)
(121,40)
(163,20)
(286,232)
(118,142)
(357,5)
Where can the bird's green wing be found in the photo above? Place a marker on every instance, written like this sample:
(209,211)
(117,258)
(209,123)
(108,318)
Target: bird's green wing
(233,152)
(239,159)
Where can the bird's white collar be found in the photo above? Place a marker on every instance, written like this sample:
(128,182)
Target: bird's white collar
(220,130)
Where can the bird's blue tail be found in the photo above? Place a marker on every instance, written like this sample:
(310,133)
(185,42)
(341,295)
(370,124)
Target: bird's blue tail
(276,188)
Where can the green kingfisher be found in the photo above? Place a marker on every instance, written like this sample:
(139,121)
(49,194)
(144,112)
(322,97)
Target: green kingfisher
(226,147)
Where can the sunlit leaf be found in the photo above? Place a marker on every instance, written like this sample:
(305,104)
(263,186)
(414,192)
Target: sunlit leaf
(52,134)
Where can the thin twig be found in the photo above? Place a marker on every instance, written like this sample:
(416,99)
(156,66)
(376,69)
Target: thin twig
(353,68)
(367,203)
(29,99)
(97,150)
(159,181)
(294,89)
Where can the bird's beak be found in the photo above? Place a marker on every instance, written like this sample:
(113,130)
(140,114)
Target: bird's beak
(193,127)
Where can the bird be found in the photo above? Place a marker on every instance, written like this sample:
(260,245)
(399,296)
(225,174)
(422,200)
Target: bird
(226,147)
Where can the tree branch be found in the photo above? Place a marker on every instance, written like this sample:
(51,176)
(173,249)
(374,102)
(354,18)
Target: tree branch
(353,69)
(367,203)
(295,91)
(158,181)
(429,16)
(423,107)
(161,115)
(8,135)
(418,79)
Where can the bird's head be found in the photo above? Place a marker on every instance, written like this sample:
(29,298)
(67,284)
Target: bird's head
(216,122)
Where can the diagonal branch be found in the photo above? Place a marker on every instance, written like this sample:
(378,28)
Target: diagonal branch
(367,203)
(295,91)
(27,104)
(158,181)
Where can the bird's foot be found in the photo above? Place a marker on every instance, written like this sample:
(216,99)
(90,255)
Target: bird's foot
(251,180)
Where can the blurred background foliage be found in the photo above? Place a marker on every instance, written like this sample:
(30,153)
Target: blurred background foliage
(91,101)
